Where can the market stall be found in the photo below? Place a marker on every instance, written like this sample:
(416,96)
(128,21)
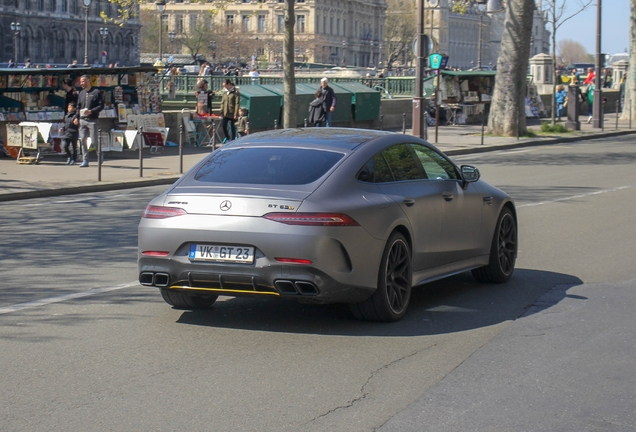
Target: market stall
(33,99)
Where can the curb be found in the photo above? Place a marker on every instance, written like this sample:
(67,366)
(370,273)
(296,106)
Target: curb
(536,142)
(99,187)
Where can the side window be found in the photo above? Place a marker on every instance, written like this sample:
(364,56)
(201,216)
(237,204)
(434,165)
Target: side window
(436,166)
(376,171)
(396,163)
(402,163)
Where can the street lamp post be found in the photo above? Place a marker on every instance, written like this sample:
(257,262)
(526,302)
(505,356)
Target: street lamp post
(15,29)
(103,31)
(255,62)
(482,10)
(172,35)
(597,103)
(380,55)
(212,46)
(344,46)
(87,5)
(161,6)
(237,55)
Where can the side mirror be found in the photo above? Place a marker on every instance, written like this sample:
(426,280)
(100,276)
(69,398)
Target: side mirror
(470,173)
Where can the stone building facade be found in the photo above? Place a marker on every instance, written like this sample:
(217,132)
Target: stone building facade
(327,31)
(53,32)
(458,34)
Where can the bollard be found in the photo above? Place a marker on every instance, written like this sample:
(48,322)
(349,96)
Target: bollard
(141,151)
(99,155)
(482,126)
(403,123)
(305,122)
(275,124)
(517,111)
(181,149)
(617,105)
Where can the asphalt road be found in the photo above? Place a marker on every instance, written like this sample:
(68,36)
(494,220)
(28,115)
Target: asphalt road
(84,347)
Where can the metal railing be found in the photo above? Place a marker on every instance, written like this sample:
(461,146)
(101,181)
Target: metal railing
(185,84)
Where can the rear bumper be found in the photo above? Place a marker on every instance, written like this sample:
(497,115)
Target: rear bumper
(302,282)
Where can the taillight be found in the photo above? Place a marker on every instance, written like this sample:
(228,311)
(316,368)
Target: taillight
(294,260)
(159,212)
(312,219)
(155,253)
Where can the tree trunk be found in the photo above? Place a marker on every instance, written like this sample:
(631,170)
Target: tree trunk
(629,105)
(507,111)
(289,78)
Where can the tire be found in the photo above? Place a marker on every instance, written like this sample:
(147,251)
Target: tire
(503,251)
(180,300)
(391,299)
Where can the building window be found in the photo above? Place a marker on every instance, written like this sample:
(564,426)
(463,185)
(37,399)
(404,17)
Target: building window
(324,25)
(338,26)
(281,23)
(164,22)
(300,23)
(74,6)
(64,5)
(40,5)
(61,45)
(229,20)
(27,6)
(245,23)
(179,23)
(330,26)
(98,8)
(52,5)
(108,10)
(73,48)
(261,23)
(193,23)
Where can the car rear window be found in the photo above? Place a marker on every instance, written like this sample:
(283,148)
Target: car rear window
(267,165)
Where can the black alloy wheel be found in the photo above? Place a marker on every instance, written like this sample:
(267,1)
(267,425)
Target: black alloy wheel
(503,251)
(391,299)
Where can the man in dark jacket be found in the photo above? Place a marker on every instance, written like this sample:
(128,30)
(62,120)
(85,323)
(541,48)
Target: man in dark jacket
(71,93)
(329,100)
(90,104)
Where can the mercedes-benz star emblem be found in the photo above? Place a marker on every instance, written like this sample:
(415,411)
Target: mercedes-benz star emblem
(225,205)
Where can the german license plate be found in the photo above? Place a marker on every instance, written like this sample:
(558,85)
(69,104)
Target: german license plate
(217,253)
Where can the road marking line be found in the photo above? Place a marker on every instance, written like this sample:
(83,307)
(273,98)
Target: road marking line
(616,189)
(62,298)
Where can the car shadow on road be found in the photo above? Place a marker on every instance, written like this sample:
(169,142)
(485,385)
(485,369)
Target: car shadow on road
(451,305)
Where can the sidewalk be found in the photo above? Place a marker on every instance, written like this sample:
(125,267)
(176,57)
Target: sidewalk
(52,177)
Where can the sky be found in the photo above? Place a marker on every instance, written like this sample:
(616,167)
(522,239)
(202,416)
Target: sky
(582,27)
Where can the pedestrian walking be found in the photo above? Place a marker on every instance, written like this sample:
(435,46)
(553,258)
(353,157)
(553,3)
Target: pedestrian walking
(71,93)
(90,104)
(229,109)
(590,102)
(329,100)
(70,133)
(316,110)
(559,97)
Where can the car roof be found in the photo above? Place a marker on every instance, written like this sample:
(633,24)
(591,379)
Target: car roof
(341,139)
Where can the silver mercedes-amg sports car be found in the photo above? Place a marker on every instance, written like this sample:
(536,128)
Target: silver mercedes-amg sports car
(326,215)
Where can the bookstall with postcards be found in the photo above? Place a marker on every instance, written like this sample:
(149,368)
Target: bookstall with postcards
(463,95)
(32,109)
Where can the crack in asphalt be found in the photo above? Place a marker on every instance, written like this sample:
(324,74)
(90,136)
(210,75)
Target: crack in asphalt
(363,392)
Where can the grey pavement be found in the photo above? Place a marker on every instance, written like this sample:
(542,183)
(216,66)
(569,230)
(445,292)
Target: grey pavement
(52,177)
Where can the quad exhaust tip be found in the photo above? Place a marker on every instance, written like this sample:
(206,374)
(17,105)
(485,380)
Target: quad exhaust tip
(296,287)
(154,279)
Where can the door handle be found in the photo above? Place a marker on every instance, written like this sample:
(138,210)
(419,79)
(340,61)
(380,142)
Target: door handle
(448,196)
(409,202)
(488,200)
